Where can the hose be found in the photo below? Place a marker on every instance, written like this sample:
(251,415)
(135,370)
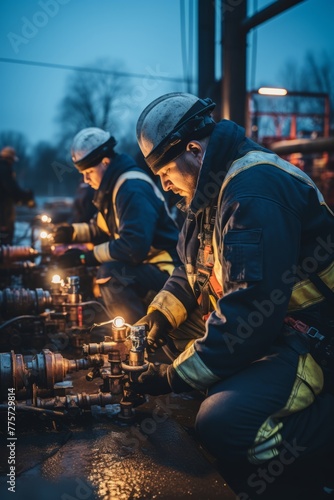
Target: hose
(17,318)
(34,409)
(95,302)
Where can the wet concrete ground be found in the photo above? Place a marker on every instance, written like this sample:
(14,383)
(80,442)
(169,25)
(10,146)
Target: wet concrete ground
(157,456)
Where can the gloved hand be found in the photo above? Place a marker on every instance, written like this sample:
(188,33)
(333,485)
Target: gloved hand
(75,257)
(159,379)
(64,234)
(153,381)
(158,327)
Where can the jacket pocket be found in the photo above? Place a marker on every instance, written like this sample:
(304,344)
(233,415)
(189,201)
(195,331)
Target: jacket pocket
(243,255)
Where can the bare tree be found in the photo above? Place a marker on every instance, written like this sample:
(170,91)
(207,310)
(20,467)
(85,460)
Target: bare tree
(53,177)
(91,100)
(314,74)
(318,73)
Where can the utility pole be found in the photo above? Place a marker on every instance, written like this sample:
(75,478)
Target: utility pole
(234,61)
(235,26)
(206,46)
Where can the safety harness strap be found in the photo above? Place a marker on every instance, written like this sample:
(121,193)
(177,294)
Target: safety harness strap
(322,287)
(299,326)
(207,288)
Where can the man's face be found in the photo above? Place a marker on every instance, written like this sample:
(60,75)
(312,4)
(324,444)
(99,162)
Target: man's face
(93,175)
(181,175)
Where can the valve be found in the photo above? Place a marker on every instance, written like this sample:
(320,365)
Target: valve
(127,357)
(44,369)
(133,366)
(136,360)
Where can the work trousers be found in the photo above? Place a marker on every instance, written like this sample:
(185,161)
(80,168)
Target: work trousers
(235,409)
(127,290)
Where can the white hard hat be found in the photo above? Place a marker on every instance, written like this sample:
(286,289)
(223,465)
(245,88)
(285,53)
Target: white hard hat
(168,123)
(90,145)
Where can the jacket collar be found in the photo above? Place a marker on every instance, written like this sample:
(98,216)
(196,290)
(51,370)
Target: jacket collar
(227,143)
(119,164)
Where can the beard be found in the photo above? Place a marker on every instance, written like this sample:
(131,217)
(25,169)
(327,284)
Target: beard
(190,172)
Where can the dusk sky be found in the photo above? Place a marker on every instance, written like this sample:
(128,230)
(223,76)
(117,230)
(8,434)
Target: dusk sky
(141,37)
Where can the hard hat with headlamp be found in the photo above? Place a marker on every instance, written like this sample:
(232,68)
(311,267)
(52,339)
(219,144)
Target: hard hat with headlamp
(90,146)
(168,123)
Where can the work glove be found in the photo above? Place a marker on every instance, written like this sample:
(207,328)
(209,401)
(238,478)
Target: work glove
(64,234)
(158,380)
(74,257)
(152,381)
(158,327)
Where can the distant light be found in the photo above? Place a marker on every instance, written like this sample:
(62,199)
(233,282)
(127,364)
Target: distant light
(272,91)
(43,235)
(56,278)
(45,218)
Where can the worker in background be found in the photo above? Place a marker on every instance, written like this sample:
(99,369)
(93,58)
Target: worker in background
(133,234)
(11,194)
(250,312)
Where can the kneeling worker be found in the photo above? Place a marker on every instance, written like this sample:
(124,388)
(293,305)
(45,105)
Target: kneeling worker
(256,290)
(133,234)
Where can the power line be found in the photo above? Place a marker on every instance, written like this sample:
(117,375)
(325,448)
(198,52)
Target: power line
(254,53)
(156,75)
(185,62)
(191,40)
(187,41)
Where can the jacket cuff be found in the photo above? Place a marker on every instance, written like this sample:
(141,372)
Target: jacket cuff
(102,253)
(176,382)
(169,306)
(81,232)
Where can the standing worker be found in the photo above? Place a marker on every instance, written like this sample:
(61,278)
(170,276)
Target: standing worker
(11,194)
(251,310)
(134,236)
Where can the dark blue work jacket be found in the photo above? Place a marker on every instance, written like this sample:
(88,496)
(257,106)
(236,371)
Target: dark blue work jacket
(271,230)
(134,225)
